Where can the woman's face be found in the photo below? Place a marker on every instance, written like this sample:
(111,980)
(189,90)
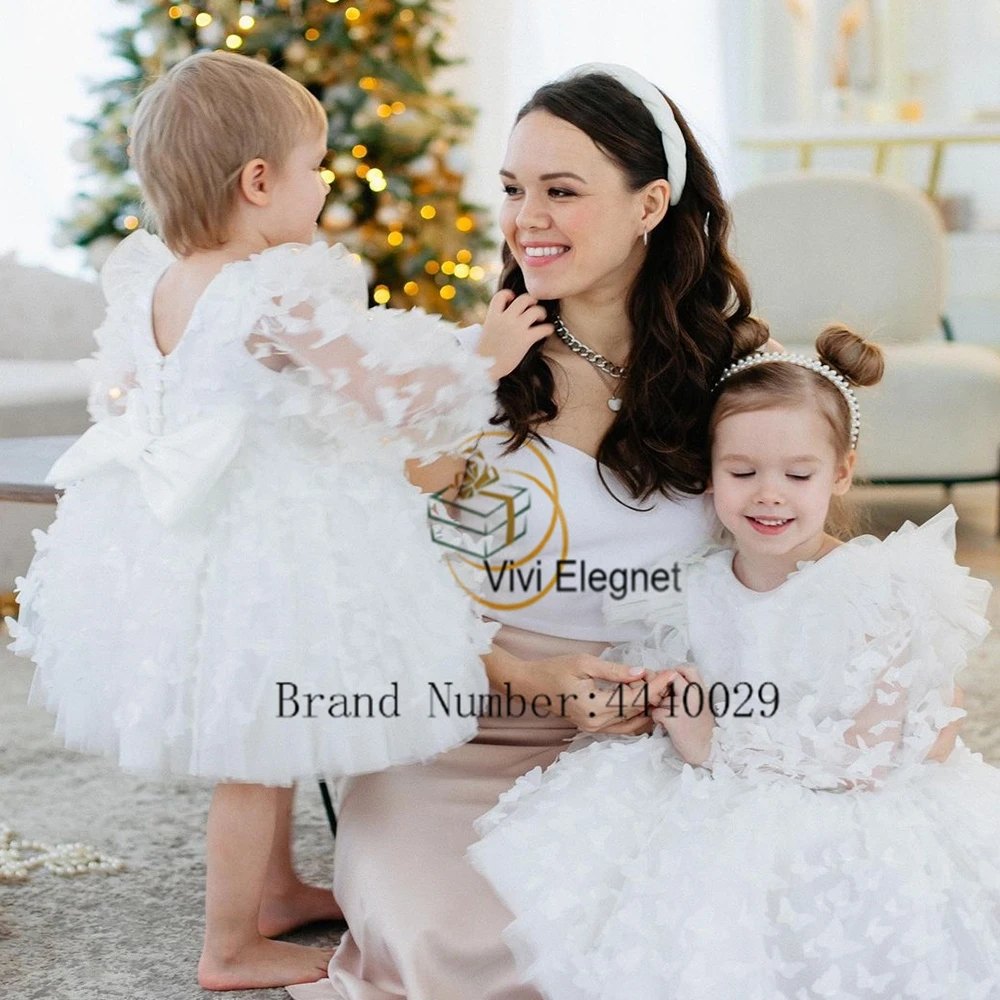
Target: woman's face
(569,218)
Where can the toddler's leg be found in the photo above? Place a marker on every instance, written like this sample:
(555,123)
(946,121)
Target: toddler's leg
(288,902)
(241,823)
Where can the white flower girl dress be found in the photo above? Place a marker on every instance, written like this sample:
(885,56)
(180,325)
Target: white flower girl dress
(235,537)
(817,855)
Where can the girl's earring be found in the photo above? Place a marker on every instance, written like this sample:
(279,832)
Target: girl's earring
(645,237)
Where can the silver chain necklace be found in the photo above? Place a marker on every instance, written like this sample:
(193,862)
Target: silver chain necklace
(599,362)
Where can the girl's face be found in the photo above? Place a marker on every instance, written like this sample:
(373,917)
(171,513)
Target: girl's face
(774,473)
(298,194)
(569,217)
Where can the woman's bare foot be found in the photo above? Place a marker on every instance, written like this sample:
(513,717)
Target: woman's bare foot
(262,964)
(295,906)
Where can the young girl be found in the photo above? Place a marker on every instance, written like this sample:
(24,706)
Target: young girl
(224,590)
(783,835)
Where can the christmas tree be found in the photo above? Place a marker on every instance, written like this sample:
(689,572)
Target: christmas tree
(397,160)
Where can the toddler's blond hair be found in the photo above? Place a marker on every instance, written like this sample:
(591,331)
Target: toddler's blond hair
(197,127)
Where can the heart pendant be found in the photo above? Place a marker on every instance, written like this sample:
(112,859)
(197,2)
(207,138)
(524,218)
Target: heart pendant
(614,404)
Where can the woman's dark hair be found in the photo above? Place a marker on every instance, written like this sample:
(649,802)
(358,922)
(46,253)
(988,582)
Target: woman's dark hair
(689,308)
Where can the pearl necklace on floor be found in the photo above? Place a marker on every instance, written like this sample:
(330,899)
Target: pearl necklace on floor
(18,858)
(600,363)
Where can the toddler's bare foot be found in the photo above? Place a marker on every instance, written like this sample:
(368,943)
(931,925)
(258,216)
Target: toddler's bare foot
(262,964)
(295,906)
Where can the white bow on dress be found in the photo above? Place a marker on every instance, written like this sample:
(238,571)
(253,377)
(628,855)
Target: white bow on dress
(176,470)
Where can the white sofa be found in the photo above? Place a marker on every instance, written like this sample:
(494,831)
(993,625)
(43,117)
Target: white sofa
(822,247)
(46,323)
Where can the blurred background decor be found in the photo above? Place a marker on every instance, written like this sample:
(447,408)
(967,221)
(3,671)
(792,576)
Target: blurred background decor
(398,144)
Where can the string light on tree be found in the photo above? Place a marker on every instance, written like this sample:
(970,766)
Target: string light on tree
(398,148)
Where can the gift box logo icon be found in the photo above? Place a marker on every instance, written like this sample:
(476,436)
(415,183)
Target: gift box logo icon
(492,511)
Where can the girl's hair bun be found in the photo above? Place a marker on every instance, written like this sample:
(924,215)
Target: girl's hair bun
(860,361)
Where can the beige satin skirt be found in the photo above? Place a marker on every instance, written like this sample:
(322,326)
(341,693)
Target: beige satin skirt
(423,924)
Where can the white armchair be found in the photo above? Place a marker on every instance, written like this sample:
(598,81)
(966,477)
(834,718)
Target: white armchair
(824,247)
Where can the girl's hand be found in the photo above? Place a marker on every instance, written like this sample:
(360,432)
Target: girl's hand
(690,734)
(596,696)
(945,742)
(647,695)
(512,325)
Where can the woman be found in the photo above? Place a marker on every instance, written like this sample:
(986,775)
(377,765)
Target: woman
(613,218)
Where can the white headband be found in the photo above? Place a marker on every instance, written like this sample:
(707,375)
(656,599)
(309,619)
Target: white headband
(674,146)
(813,364)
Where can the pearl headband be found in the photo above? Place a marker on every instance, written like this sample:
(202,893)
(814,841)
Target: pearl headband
(674,146)
(813,364)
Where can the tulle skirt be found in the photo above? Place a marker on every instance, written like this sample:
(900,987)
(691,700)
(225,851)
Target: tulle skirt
(300,622)
(633,876)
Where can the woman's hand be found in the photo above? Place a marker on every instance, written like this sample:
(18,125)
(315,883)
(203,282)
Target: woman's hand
(594,695)
(690,734)
(512,325)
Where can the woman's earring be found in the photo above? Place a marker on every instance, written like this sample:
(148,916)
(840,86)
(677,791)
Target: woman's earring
(645,237)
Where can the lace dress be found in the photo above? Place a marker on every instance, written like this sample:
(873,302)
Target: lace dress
(233,537)
(816,854)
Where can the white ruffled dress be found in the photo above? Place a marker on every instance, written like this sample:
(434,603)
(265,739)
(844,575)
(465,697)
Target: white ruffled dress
(228,528)
(816,855)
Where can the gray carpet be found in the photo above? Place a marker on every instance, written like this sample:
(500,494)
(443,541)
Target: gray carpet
(133,936)
(137,935)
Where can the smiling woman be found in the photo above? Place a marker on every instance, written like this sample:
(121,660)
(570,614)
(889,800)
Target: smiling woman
(630,257)
(648,308)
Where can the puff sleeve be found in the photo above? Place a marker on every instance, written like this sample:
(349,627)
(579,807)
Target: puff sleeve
(919,615)
(404,370)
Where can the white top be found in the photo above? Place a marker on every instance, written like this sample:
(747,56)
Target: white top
(579,544)
(871,636)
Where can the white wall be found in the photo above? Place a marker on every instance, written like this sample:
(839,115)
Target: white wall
(512,47)
(48,53)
